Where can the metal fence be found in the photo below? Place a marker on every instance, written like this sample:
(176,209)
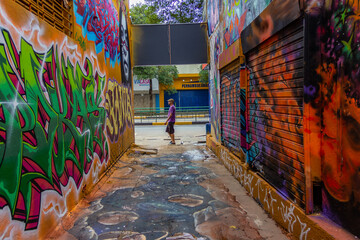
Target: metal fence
(183,114)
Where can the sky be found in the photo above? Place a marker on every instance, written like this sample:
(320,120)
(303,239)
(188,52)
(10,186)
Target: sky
(133,2)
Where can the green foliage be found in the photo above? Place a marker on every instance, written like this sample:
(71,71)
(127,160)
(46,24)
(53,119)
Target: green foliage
(178,11)
(146,72)
(165,75)
(144,14)
(204,76)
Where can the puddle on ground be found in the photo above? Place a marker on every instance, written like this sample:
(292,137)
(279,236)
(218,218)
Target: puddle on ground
(194,155)
(188,200)
(122,235)
(162,208)
(116,217)
(137,194)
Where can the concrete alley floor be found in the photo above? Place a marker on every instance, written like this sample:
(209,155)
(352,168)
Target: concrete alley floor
(182,192)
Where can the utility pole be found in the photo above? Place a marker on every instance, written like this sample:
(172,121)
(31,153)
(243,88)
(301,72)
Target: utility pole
(150,92)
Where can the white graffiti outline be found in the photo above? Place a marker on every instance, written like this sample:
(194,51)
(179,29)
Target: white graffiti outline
(288,215)
(304,233)
(270,204)
(52,207)
(248,178)
(8,230)
(259,186)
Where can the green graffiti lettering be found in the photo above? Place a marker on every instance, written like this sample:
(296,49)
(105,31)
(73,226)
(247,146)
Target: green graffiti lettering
(51,125)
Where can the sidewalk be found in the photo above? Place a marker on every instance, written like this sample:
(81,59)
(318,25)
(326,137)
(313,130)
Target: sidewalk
(182,192)
(179,121)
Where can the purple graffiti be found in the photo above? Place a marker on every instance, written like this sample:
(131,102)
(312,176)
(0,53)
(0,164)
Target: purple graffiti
(99,21)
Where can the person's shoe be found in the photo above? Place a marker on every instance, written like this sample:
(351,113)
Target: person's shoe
(171,143)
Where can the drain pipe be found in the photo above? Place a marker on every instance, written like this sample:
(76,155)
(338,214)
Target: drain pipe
(302,5)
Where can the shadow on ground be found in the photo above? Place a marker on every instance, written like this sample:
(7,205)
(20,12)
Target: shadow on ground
(180,193)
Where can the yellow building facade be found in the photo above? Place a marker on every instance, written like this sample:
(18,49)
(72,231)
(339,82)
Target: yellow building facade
(190,92)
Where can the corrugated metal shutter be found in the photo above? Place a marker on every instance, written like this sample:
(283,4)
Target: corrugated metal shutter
(275,116)
(230,106)
(189,98)
(194,98)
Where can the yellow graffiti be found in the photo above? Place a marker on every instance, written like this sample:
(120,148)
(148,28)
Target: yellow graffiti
(119,110)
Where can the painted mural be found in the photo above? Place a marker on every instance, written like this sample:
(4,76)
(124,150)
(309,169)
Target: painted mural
(275,125)
(283,211)
(119,110)
(333,95)
(233,16)
(214,83)
(320,102)
(243,118)
(238,15)
(99,20)
(58,102)
(213,13)
(125,48)
(234,20)
(52,125)
(230,108)
(216,48)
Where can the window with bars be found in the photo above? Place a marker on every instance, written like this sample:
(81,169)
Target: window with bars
(58,13)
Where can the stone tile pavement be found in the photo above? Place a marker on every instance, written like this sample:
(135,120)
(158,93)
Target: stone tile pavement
(182,192)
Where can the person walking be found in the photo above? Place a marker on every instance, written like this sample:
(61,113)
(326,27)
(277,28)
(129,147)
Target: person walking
(170,121)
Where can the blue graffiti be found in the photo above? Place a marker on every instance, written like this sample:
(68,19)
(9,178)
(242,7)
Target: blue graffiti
(100,23)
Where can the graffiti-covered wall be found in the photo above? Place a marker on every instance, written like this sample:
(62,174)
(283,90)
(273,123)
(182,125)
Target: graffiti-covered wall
(234,16)
(214,84)
(275,112)
(226,20)
(333,96)
(314,108)
(238,15)
(65,111)
(230,106)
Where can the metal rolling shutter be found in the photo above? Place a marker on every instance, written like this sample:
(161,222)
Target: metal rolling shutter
(230,106)
(194,98)
(275,116)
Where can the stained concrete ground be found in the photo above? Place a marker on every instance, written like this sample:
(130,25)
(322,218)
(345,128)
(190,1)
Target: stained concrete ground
(182,192)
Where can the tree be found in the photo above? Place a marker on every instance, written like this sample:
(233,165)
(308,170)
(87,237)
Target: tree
(204,76)
(165,75)
(178,11)
(144,14)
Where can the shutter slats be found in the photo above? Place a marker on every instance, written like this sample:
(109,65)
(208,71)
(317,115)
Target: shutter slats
(230,107)
(275,111)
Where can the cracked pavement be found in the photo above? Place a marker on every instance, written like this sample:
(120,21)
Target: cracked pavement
(182,192)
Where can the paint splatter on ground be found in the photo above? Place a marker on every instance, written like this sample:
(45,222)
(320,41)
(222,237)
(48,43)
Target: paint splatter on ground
(180,193)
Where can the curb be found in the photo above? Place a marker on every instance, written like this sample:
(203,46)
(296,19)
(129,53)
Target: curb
(145,117)
(283,211)
(177,123)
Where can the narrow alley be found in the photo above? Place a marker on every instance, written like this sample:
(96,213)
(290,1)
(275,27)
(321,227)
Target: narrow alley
(182,192)
(264,96)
